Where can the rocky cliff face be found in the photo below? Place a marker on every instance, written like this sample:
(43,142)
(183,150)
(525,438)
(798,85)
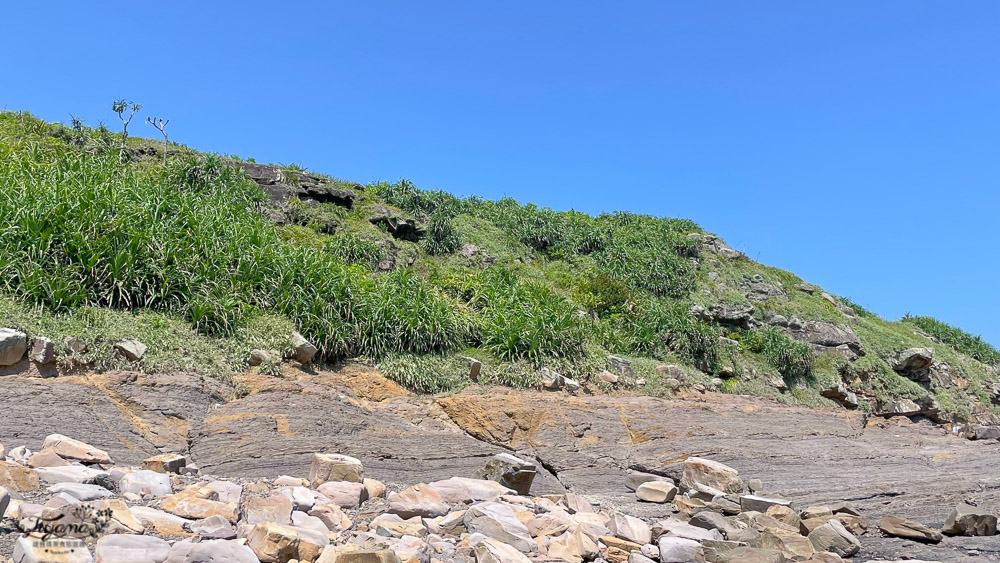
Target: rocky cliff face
(596,447)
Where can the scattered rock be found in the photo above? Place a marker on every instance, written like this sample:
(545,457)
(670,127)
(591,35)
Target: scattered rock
(68,448)
(273,543)
(913,359)
(700,473)
(302,350)
(898,407)
(966,520)
(656,491)
(418,500)
(840,393)
(43,351)
(903,528)
(498,521)
(146,482)
(760,504)
(132,350)
(165,463)
(258,357)
(607,377)
(834,538)
(620,366)
(13,345)
(335,467)
(680,550)
(121,548)
(510,471)
(490,550)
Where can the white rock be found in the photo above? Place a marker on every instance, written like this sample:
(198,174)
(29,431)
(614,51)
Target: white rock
(146,481)
(26,552)
(498,521)
(462,490)
(129,548)
(13,345)
(211,551)
(70,474)
(490,550)
(680,550)
(80,491)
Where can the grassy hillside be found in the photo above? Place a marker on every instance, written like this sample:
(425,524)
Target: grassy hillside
(188,256)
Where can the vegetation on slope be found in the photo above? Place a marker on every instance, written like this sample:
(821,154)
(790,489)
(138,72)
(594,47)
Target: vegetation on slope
(96,245)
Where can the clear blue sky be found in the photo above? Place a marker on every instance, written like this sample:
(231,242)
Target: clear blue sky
(852,142)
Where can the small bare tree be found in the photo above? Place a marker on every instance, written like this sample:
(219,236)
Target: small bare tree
(120,106)
(160,125)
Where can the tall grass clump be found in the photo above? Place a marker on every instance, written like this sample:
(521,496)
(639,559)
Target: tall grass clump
(520,319)
(442,238)
(661,328)
(648,254)
(794,360)
(971,345)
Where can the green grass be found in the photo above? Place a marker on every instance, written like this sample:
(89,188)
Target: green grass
(183,257)
(961,341)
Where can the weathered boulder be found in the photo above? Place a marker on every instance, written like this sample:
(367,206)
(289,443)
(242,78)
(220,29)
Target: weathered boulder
(904,528)
(840,393)
(13,345)
(680,550)
(132,349)
(834,538)
(43,351)
(344,494)
(275,508)
(790,543)
(213,528)
(510,471)
(630,528)
(897,407)
(128,548)
(462,490)
(81,491)
(165,463)
(70,474)
(399,227)
(68,448)
(145,482)
(913,359)
(418,500)
(498,521)
(699,473)
(47,458)
(335,467)
(675,528)
(656,491)
(190,503)
(332,516)
(966,520)
(576,547)
(161,522)
(826,337)
(491,551)
(744,554)
(273,543)
(302,350)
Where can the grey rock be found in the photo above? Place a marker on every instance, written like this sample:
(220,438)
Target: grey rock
(214,528)
(620,366)
(808,288)
(43,351)
(258,357)
(13,345)
(510,471)
(909,529)
(736,314)
(834,538)
(966,520)
(840,393)
(826,337)
(898,407)
(760,504)
(132,350)
(498,521)
(210,551)
(302,350)
(913,359)
(680,550)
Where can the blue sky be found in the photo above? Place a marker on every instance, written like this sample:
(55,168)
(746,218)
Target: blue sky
(853,143)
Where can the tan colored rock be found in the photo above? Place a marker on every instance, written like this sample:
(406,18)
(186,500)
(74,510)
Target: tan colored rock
(46,458)
(18,477)
(68,448)
(190,503)
(834,538)
(344,494)
(275,508)
(815,512)
(418,500)
(624,545)
(397,528)
(273,543)
(755,555)
(122,515)
(494,551)
(903,528)
(656,491)
(700,473)
(783,514)
(332,516)
(335,467)
(163,523)
(630,528)
(791,544)
(165,463)
(375,488)
(689,506)
(577,547)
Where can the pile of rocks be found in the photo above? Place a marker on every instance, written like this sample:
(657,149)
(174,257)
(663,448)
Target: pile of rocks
(70,498)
